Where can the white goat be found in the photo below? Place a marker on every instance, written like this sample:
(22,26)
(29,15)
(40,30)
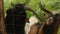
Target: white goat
(32,21)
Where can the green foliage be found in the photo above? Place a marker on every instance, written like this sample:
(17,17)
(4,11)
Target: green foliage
(57,5)
(49,4)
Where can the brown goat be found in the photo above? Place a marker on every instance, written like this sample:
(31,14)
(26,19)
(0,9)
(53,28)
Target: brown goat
(44,28)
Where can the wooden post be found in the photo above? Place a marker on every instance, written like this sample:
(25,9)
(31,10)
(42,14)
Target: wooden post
(2,25)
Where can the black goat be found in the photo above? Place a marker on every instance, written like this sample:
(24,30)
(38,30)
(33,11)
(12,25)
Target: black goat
(15,19)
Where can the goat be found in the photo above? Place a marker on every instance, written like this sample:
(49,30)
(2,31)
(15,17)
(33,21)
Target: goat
(17,16)
(49,26)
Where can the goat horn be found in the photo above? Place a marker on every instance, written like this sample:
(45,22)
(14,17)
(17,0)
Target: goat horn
(44,9)
(30,9)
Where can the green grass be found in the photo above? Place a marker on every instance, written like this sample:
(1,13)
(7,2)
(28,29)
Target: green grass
(58,31)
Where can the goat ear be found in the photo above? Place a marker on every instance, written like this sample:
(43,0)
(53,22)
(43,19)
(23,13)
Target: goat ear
(12,4)
(44,9)
(28,8)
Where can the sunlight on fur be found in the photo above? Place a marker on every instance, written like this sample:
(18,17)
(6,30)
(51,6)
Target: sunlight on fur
(32,21)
